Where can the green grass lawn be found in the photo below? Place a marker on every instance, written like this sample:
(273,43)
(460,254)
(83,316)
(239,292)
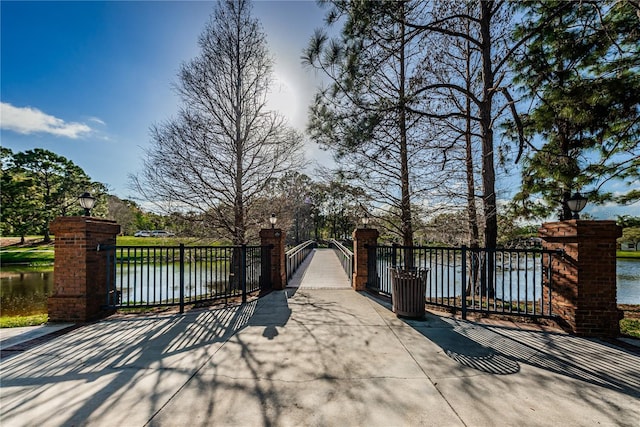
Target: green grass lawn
(35,253)
(20,321)
(31,255)
(628,254)
(630,327)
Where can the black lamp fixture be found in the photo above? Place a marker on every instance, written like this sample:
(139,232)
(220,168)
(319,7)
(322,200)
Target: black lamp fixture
(365,220)
(576,203)
(273,219)
(87,201)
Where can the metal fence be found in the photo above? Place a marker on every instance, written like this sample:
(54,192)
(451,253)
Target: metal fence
(500,281)
(345,255)
(153,276)
(295,256)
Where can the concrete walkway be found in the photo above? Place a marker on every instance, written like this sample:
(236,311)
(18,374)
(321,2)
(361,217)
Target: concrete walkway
(321,270)
(319,358)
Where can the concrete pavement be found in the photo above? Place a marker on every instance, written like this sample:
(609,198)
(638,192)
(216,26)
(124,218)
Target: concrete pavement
(10,337)
(323,357)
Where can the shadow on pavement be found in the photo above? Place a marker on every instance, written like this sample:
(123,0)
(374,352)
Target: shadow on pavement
(84,372)
(465,350)
(502,350)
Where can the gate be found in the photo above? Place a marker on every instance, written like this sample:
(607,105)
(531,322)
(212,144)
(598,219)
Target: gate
(494,281)
(156,276)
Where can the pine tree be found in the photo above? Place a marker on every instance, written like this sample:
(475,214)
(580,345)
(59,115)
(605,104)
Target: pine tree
(581,72)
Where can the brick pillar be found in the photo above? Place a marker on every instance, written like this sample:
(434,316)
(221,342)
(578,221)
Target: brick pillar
(276,237)
(362,237)
(80,271)
(584,280)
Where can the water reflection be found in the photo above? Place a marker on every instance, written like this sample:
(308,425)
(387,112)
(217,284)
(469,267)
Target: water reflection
(24,292)
(628,281)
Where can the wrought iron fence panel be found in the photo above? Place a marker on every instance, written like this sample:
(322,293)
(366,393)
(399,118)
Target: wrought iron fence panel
(502,281)
(154,276)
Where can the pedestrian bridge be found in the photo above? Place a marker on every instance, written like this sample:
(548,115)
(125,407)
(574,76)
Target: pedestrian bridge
(320,270)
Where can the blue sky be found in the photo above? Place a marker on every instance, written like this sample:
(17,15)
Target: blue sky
(86,80)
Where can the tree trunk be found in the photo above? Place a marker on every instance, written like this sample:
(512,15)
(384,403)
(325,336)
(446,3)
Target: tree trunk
(239,226)
(472,214)
(238,208)
(47,236)
(405,203)
(486,130)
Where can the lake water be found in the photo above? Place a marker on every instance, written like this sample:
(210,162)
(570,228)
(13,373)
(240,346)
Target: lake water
(24,292)
(628,281)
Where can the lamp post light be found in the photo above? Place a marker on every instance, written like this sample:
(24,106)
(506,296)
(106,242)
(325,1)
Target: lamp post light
(365,220)
(273,219)
(576,203)
(87,201)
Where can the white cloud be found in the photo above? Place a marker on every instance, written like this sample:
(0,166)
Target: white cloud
(27,120)
(97,120)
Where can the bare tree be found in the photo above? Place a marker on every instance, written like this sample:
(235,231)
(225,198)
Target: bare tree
(218,155)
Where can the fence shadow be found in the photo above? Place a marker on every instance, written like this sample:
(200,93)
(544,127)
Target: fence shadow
(466,351)
(502,350)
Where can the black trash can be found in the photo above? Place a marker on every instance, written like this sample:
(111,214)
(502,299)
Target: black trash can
(408,292)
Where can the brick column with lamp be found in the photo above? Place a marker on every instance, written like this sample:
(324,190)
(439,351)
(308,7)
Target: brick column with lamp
(80,269)
(276,237)
(584,279)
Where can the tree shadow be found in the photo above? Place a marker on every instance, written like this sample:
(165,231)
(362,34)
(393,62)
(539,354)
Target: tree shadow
(468,352)
(101,365)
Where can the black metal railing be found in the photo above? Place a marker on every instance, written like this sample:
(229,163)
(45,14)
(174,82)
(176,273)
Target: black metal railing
(153,276)
(503,281)
(345,255)
(295,256)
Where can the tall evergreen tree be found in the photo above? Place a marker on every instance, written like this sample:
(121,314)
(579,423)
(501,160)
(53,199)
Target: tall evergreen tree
(581,74)
(38,185)
(364,116)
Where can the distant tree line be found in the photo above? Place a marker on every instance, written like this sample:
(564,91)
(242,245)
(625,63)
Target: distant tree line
(305,208)
(38,185)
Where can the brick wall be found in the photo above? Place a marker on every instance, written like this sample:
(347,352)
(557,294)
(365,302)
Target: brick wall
(80,275)
(584,280)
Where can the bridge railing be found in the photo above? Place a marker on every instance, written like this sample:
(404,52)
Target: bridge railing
(345,255)
(295,256)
